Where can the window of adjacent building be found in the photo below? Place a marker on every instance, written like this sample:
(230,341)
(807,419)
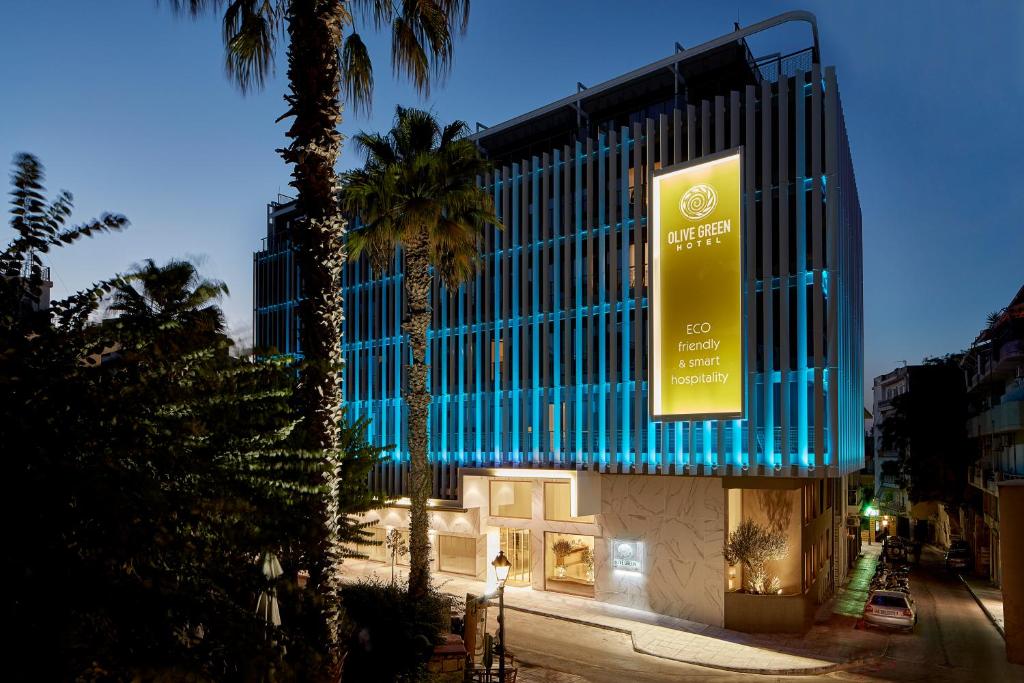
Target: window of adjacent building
(557,503)
(511,498)
(457,554)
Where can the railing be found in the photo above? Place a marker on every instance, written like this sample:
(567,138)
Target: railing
(275,243)
(773,67)
(1004,417)
(1012,349)
(1001,360)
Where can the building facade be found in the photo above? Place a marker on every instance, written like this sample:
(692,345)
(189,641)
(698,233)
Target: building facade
(994,372)
(541,439)
(890,494)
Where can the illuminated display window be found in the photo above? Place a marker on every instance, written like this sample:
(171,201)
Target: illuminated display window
(569,563)
(557,503)
(457,554)
(511,498)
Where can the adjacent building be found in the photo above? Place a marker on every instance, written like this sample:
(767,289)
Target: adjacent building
(994,372)
(890,493)
(546,440)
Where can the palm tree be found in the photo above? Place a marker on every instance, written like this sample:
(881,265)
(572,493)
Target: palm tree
(174,299)
(325,56)
(419,190)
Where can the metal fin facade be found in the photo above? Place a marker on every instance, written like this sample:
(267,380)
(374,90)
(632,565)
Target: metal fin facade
(541,360)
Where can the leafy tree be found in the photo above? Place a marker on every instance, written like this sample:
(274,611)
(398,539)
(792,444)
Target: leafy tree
(147,485)
(326,56)
(753,546)
(927,430)
(419,190)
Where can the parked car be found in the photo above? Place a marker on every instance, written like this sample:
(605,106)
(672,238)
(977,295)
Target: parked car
(959,556)
(891,608)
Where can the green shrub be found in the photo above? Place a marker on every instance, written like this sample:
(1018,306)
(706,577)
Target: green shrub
(392,635)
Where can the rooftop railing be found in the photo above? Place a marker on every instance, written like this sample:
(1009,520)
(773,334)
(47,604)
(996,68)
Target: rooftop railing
(773,67)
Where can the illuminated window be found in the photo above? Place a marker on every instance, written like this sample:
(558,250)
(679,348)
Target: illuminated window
(511,498)
(569,563)
(457,554)
(557,503)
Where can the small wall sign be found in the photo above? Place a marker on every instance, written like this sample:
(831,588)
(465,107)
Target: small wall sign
(627,555)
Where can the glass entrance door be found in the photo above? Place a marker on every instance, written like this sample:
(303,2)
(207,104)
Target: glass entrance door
(516,545)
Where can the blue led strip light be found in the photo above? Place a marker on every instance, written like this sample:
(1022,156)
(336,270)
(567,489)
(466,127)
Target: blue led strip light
(522,368)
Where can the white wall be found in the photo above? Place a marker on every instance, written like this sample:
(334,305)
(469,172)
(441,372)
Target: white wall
(681,521)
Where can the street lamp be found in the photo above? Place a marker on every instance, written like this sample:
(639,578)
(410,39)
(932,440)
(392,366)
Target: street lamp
(501,568)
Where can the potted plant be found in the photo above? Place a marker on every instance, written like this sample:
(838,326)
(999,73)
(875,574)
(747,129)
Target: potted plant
(588,562)
(561,548)
(753,546)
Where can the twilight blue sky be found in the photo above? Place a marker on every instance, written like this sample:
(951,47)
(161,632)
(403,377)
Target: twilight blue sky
(129,108)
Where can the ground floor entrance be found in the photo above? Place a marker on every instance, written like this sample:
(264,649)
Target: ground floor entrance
(515,543)
(647,542)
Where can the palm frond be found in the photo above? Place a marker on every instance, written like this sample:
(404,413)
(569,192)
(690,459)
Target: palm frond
(357,72)
(419,177)
(250,30)
(408,56)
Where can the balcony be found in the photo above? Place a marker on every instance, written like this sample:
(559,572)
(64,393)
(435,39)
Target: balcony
(987,479)
(1006,417)
(999,365)
(977,476)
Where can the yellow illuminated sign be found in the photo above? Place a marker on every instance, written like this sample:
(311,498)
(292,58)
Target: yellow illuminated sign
(696,367)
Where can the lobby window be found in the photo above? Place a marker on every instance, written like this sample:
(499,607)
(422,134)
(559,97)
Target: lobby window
(557,503)
(457,554)
(511,498)
(569,563)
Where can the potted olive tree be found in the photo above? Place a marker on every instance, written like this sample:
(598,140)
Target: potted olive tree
(753,545)
(588,562)
(561,548)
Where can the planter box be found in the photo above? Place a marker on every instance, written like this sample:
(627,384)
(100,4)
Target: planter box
(448,663)
(768,613)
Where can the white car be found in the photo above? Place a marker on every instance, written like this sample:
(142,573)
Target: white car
(894,609)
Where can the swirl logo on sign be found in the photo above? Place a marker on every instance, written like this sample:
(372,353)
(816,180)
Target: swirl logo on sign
(698,202)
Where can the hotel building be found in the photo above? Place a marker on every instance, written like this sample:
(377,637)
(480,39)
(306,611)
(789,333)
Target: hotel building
(542,439)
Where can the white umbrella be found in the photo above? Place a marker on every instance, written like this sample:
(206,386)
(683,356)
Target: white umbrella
(266,604)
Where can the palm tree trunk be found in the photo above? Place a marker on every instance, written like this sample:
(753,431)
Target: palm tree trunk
(314,30)
(417,397)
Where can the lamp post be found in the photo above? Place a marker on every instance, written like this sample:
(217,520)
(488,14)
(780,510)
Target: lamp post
(501,568)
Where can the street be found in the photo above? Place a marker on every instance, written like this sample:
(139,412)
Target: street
(953,641)
(600,656)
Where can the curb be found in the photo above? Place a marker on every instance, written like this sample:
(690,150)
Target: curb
(809,671)
(982,606)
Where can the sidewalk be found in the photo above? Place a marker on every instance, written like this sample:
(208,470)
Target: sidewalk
(989,598)
(825,648)
(850,599)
